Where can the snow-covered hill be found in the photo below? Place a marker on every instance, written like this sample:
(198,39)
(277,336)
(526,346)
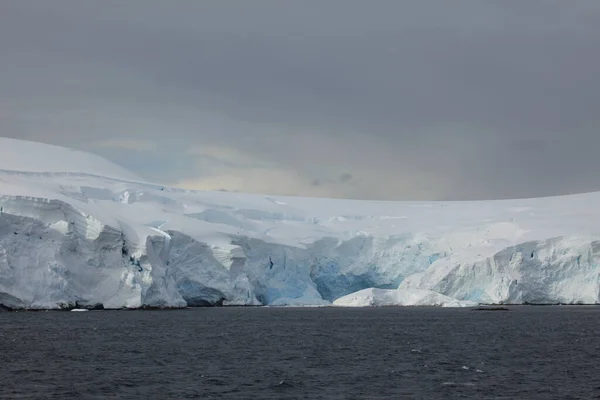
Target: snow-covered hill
(24,156)
(76,229)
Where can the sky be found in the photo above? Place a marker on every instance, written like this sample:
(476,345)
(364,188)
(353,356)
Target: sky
(390,100)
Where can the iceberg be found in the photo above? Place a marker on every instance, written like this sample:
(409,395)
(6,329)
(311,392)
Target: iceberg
(400,297)
(79,232)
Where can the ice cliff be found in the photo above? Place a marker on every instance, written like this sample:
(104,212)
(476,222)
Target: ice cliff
(78,231)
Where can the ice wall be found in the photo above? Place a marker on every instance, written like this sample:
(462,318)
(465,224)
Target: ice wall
(557,270)
(53,255)
(84,239)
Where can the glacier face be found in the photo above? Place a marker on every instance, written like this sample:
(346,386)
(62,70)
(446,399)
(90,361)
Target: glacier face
(87,238)
(556,270)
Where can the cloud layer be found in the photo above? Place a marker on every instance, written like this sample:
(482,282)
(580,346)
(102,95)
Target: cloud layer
(343,98)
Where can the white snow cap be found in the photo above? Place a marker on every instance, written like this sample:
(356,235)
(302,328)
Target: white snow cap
(25,156)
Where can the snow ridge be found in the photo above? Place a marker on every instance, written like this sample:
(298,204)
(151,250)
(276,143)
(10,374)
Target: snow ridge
(25,156)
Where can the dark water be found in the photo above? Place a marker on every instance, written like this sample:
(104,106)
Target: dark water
(328,353)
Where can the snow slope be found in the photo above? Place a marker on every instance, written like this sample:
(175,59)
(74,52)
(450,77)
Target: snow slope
(24,156)
(77,230)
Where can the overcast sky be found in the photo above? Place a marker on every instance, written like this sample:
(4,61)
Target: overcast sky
(414,99)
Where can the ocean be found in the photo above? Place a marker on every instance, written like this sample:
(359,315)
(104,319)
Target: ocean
(527,352)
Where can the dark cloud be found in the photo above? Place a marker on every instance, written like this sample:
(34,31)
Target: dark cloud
(345,177)
(462,99)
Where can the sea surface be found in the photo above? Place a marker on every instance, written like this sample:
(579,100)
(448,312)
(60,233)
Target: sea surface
(528,352)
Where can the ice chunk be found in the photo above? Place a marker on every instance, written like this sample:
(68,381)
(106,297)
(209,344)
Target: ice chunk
(400,297)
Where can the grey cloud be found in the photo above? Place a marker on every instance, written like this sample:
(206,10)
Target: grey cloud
(345,177)
(161,167)
(462,99)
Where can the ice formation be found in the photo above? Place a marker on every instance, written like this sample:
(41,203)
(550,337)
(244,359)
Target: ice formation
(77,231)
(373,297)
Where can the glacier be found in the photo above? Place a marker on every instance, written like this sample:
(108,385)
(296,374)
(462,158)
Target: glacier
(77,231)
